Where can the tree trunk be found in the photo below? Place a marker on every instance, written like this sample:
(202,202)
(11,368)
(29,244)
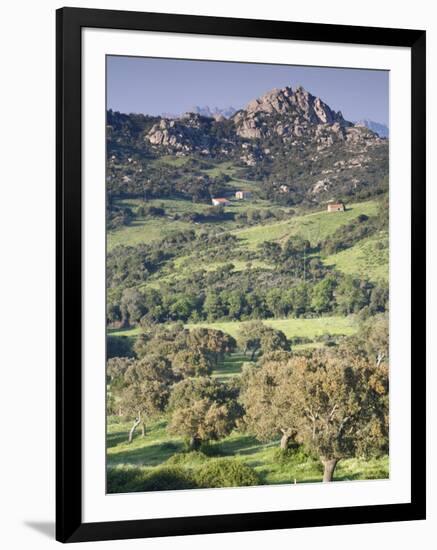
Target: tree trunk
(288,435)
(285,440)
(134,427)
(252,357)
(329,465)
(143,429)
(194,443)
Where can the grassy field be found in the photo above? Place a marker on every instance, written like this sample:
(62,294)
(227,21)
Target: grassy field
(171,206)
(314,227)
(157,449)
(227,168)
(368,258)
(230,366)
(147,229)
(144,231)
(292,328)
(172,160)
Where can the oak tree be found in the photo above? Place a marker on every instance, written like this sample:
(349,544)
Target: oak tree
(148,383)
(256,337)
(336,404)
(202,409)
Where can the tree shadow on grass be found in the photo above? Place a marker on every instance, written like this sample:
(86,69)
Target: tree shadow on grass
(115,438)
(231,365)
(121,436)
(244,445)
(149,455)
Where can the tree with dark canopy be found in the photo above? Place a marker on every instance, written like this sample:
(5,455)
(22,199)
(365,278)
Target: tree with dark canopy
(148,383)
(202,409)
(256,337)
(335,404)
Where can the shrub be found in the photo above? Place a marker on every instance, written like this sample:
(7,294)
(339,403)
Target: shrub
(186,459)
(208,448)
(226,472)
(128,479)
(300,340)
(118,346)
(297,455)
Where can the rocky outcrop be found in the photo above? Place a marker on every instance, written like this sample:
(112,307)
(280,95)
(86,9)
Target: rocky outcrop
(287,113)
(294,116)
(285,126)
(186,134)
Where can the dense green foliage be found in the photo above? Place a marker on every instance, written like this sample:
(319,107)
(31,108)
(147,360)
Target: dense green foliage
(248,342)
(291,280)
(129,479)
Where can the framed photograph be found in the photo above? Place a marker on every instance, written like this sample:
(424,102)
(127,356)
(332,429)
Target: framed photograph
(240,275)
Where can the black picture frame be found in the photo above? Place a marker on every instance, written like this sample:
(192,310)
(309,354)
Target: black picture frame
(69,525)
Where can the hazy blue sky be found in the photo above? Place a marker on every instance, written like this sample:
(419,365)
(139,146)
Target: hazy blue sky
(156,86)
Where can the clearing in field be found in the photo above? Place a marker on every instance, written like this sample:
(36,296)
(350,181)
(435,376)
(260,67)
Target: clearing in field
(292,328)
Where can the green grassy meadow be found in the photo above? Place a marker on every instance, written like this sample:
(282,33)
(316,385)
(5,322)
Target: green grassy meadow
(145,231)
(158,450)
(367,258)
(314,227)
(292,328)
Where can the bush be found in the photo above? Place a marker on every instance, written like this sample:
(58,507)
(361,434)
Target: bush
(226,472)
(297,455)
(119,346)
(300,340)
(186,459)
(129,479)
(208,448)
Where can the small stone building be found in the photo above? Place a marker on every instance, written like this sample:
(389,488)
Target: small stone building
(220,202)
(336,207)
(242,195)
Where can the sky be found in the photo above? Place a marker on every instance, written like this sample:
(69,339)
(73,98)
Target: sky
(155,86)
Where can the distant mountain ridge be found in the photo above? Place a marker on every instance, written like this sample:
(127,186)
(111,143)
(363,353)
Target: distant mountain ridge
(213,112)
(287,136)
(206,111)
(380,129)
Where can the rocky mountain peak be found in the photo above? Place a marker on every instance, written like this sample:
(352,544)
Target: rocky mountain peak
(287,119)
(296,108)
(299,102)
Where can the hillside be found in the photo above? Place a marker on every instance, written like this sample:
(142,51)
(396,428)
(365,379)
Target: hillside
(212,305)
(368,257)
(216,272)
(288,146)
